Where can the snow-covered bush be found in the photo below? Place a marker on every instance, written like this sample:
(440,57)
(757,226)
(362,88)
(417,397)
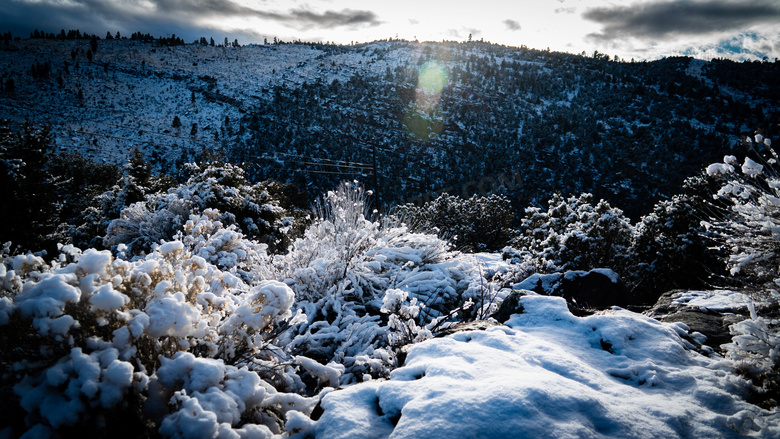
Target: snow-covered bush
(345,270)
(135,183)
(755,351)
(749,228)
(223,187)
(168,340)
(671,249)
(573,234)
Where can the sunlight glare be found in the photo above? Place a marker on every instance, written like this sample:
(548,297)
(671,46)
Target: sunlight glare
(432,78)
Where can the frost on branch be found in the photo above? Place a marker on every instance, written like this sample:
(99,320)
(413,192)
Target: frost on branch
(750,227)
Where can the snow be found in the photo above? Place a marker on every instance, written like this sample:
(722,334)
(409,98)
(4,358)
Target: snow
(716,300)
(719,168)
(546,281)
(550,374)
(751,168)
(106,299)
(170,247)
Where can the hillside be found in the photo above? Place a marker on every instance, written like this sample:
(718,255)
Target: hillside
(461,117)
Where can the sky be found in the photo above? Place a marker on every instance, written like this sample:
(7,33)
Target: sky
(630,29)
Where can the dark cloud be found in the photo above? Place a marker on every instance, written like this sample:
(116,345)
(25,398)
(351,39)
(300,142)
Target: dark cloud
(512,25)
(665,20)
(327,19)
(160,17)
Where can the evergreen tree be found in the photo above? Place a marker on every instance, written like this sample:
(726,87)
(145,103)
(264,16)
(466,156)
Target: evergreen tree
(28,210)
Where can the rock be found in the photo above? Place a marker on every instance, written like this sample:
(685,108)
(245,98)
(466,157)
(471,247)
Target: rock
(476,325)
(510,305)
(598,289)
(713,324)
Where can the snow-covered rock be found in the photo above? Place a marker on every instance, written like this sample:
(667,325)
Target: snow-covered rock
(550,374)
(599,288)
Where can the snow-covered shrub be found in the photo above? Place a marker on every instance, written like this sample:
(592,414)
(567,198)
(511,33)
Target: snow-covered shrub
(749,228)
(671,249)
(342,271)
(135,183)
(755,352)
(474,224)
(223,187)
(573,234)
(92,338)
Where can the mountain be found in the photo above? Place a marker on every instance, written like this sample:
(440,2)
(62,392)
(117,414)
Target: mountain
(462,117)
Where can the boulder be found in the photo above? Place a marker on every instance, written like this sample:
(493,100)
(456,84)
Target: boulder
(510,305)
(711,321)
(595,289)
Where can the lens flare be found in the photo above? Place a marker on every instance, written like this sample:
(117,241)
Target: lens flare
(432,78)
(424,120)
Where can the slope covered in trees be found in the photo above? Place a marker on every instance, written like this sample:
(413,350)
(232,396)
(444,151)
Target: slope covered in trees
(428,116)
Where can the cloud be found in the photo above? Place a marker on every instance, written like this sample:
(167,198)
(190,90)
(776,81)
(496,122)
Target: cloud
(162,16)
(668,20)
(462,32)
(565,10)
(305,19)
(512,25)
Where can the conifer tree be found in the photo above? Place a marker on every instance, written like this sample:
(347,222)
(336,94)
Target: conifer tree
(28,212)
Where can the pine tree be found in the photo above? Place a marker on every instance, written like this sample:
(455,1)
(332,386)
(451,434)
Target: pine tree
(28,211)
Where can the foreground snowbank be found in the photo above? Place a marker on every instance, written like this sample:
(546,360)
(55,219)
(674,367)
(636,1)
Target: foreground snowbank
(550,374)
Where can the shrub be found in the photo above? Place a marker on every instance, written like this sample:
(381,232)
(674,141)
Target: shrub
(749,226)
(169,341)
(748,229)
(367,286)
(671,249)
(573,234)
(252,208)
(474,224)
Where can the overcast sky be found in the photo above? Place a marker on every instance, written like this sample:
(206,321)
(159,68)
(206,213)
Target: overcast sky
(639,29)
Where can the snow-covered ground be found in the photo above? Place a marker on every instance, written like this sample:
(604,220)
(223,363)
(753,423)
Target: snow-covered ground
(549,374)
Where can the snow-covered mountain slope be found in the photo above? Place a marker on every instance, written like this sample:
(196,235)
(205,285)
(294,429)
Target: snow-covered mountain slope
(423,117)
(127,96)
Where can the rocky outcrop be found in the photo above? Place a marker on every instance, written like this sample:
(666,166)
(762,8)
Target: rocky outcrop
(713,322)
(595,289)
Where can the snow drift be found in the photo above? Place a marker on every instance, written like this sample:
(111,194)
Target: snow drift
(551,374)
